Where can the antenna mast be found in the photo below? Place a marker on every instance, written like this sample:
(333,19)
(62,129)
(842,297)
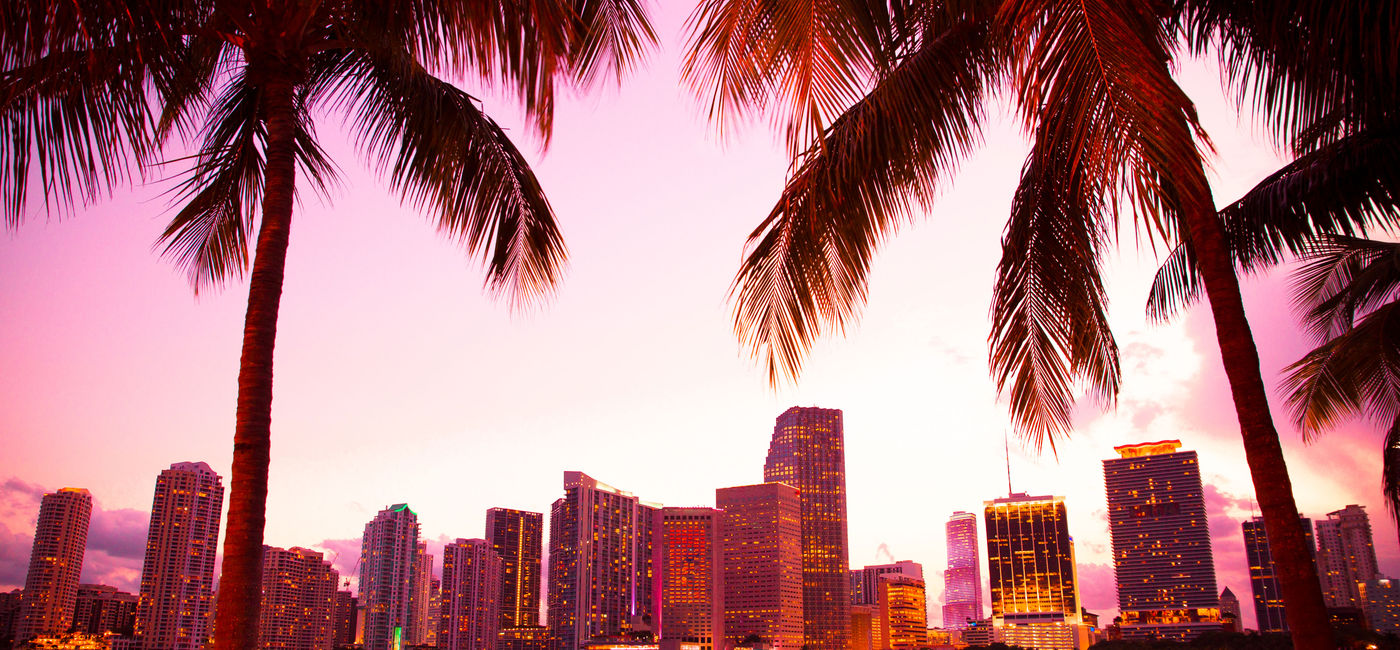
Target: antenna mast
(1006,438)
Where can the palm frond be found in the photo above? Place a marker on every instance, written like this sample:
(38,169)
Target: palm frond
(810,58)
(1390,470)
(1343,278)
(1343,188)
(444,154)
(1049,309)
(1357,373)
(807,262)
(612,36)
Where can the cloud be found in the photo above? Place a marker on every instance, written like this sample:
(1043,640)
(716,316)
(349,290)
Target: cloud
(1098,592)
(116,543)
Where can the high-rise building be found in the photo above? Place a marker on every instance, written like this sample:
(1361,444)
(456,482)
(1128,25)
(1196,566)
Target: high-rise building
(864,629)
(1268,600)
(1030,564)
(962,580)
(298,600)
(808,452)
(762,540)
(1381,602)
(692,579)
(471,596)
(176,611)
(387,553)
(1346,556)
(1230,611)
(101,609)
(1161,543)
(346,611)
(903,612)
(865,581)
(421,624)
(51,586)
(601,566)
(518,537)
(9,614)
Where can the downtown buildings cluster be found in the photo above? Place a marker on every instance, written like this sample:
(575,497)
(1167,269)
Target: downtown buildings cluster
(765,567)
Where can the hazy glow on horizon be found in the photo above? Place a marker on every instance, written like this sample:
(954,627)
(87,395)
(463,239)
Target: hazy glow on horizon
(399,381)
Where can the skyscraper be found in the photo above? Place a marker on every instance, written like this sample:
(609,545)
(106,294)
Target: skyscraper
(762,539)
(1161,542)
(346,612)
(1030,563)
(100,609)
(601,573)
(51,586)
(692,579)
(471,596)
(962,580)
(387,553)
(808,452)
(1230,611)
(1268,600)
(903,612)
(517,537)
(865,581)
(1346,555)
(177,576)
(421,624)
(298,600)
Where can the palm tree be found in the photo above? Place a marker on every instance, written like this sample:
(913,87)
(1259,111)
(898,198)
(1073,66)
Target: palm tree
(1110,129)
(91,91)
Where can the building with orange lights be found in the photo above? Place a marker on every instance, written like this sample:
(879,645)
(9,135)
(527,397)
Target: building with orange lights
(517,537)
(601,566)
(762,541)
(55,562)
(176,611)
(298,600)
(1030,564)
(347,610)
(422,620)
(388,552)
(865,632)
(808,452)
(1162,556)
(1263,581)
(962,580)
(1346,556)
(692,579)
(471,596)
(865,581)
(101,609)
(903,612)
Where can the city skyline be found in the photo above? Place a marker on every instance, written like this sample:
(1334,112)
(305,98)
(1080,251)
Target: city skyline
(115,358)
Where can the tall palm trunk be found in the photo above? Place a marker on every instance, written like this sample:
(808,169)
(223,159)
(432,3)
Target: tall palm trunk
(236,622)
(1293,563)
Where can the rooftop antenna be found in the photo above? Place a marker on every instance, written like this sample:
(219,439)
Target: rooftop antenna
(1006,439)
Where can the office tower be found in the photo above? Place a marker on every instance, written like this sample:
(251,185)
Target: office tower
(471,596)
(517,537)
(601,572)
(761,527)
(1161,543)
(51,586)
(1345,555)
(1030,564)
(903,613)
(1230,615)
(962,580)
(346,610)
(1381,602)
(865,630)
(865,582)
(100,609)
(1268,600)
(808,452)
(176,611)
(387,553)
(298,600)
(420,603)
(692,579)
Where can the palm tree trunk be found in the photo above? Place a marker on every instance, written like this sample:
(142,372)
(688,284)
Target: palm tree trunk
(1293,561)
(236,622)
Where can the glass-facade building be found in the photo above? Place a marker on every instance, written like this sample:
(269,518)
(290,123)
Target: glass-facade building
(1268,600)
(962,580)
(1030,565)
(517,537)
(692,579)
(761,526)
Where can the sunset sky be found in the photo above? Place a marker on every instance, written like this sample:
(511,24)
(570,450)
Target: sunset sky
(399,380)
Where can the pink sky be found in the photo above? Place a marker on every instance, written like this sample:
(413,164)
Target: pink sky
(398,380)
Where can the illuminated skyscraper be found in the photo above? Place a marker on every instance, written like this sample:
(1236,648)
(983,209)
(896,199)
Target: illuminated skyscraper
(101,609)
(808,452)
(903,612)
(1268,600)
(1230,615)
(518,537)
(387,553)
(56,561)
(471,596)
(422,625)
(865,581)
(962,580)
(346,612)
(1346,555)
(1030,563)
(692,579)
(762,531)
(177,578)
(601,572)
(1161,543)
(298,600)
